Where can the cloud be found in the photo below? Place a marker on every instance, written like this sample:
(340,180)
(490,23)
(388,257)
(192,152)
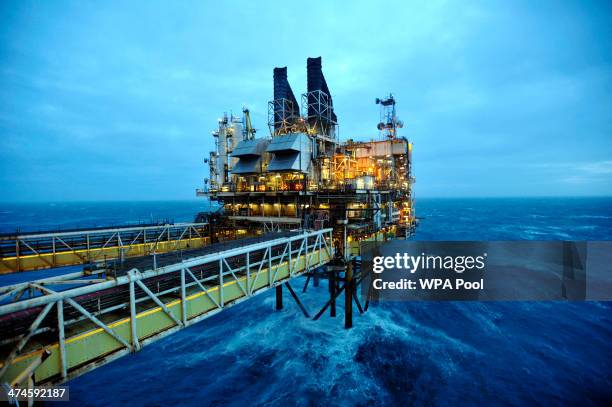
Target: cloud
(598,168)
(124,96)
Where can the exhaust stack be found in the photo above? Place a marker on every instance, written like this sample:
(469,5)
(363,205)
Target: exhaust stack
(320,108)
(285,106)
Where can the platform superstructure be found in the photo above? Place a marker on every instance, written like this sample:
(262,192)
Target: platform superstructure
(302,175)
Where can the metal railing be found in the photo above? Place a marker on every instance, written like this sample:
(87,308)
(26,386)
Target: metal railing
(203,285)
(31,251)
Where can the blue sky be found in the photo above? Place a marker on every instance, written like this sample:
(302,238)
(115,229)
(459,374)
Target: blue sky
(107,101)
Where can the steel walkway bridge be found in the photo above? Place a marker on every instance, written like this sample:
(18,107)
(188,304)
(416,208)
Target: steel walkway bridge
(34,251)
(49,335)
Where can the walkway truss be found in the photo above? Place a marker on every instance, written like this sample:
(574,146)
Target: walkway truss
(56,335)
(34,251)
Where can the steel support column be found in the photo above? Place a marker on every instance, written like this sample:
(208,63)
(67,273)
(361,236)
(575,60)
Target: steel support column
(348,296)
(332,291)
(279,297)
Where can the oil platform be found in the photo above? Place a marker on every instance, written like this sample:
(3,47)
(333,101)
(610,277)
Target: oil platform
(303,176)
(295,203)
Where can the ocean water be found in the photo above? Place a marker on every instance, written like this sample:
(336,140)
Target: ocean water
(519,353)
(28,217)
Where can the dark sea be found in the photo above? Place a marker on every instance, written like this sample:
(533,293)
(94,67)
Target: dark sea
(468,353)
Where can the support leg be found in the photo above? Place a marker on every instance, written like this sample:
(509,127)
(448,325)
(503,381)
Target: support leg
(279,297)
(306,283)
(332,292)
(348,297)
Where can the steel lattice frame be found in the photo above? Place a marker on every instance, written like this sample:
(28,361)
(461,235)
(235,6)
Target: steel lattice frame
(281,117)
(314,249)
(93,245)
(321,120)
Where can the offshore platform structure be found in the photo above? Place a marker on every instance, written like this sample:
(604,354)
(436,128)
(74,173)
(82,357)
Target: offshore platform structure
(303,176)
(301,200)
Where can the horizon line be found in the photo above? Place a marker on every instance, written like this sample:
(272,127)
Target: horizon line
(203,199)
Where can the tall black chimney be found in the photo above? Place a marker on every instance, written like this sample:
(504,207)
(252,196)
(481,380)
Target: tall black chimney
(316,81)
(282,90)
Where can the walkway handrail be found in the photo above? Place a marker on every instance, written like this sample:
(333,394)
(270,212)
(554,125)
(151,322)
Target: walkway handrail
(140,275)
